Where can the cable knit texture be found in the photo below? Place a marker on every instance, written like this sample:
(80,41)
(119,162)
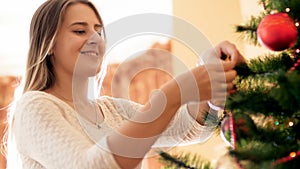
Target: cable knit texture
(50,134)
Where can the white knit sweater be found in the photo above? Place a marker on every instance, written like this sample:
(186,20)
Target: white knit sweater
(50,134)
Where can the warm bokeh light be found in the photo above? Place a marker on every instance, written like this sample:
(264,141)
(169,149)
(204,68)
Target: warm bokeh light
(293,154)
(287,9)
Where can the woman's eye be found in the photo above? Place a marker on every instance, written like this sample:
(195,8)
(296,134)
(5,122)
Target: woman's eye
(79,32)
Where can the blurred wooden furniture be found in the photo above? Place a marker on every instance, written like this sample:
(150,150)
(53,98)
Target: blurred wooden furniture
(136,78)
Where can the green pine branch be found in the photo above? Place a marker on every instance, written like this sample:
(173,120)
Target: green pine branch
(265,105)
(267,63)
(257,151)
(252,102)
(258,154)
(184,160)
(248,30)
(261,143)
(268,92)
(287,92)
(281,6)
(263,82)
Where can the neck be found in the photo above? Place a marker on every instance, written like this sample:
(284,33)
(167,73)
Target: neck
(82,103)
(80,89)
(71,89)
(75,89)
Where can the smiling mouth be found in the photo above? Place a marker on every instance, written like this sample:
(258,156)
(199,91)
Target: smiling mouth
(90,53)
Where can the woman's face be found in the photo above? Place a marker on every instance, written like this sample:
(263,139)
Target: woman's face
(78,42)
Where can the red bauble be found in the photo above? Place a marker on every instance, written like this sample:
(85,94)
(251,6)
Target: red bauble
(277,32)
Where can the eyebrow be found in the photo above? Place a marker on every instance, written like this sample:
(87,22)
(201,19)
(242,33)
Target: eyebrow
(85,24)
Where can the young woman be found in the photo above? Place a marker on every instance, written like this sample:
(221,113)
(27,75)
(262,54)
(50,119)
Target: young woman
(55,125)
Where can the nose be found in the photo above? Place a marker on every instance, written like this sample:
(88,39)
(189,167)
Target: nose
(90,42)
(94,39)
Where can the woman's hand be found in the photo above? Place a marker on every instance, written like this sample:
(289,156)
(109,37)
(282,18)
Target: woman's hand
(224,53)
(210,81)
(229,49)
(199,109)
(224,48)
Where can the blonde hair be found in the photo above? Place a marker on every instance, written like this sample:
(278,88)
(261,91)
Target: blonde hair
(44,27)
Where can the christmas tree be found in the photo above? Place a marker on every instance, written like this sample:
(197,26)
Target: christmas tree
(262,117)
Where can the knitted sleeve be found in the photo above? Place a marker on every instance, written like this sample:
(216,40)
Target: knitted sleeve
(43,134)
(183,129)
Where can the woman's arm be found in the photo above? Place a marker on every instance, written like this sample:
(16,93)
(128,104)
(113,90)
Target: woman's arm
(186,126)
(139,134)
(199,84)
(136,136)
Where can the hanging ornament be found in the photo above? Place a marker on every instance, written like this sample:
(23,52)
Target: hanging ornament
(226,131)
(242,127)
(277,32)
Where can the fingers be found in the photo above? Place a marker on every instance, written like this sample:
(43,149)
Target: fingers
(230,86)
(222,82)
(227,74)
(227,48)
(215,54)
(228,65)
(219,96)
(230,76)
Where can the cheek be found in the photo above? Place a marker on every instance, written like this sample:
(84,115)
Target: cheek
(66,52)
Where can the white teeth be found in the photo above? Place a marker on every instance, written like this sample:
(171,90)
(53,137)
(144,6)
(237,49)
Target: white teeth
(91,53)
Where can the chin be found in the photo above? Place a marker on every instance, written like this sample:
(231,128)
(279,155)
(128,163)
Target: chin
(85,73)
